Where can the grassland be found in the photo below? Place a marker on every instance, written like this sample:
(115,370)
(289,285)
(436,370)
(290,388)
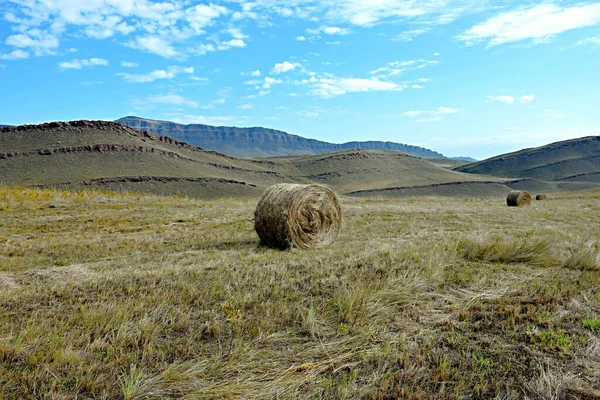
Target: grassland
(129,296)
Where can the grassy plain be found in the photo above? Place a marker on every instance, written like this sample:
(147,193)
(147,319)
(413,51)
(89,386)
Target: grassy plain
(125,296)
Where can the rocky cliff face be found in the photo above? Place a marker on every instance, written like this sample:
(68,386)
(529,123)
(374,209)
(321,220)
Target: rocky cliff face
(259,142)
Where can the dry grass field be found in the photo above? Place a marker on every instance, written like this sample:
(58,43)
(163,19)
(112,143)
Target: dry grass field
(125,296)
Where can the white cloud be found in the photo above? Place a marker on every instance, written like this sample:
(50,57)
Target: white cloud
(255,73)
(437,113)
(300,38)
(236,33)
(408,36)
(589,40)
(398,67)
(40,42)
(437,54)
(415,86)
(226,45)
(173,99)
(128,64)
(526,98)
(154,44)
(502,99)
(538,23)
(78,64)
(246,106)
(335,30)
(169,73)
(158,24)
(15,55)
(285,66)
(202,15)
(328,87)
(268,82)
(202,49)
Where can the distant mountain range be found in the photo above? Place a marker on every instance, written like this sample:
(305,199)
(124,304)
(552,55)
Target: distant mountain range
(575,160)
(261,142)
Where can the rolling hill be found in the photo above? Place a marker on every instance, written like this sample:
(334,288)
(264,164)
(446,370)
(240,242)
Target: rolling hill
(110,156)
(259,142)
(576,160)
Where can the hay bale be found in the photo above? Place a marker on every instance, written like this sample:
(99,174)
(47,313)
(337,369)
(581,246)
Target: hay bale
(540,197)
(301,216)
(518,198)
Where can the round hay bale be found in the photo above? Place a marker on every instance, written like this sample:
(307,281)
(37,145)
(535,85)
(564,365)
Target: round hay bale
(301,216)
(518,198)
(540,197)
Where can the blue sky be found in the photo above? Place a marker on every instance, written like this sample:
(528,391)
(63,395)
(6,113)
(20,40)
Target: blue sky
(463,77)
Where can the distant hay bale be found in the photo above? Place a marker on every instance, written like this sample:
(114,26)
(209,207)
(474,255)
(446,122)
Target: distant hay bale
(518,198)
(540,197)
(301,216)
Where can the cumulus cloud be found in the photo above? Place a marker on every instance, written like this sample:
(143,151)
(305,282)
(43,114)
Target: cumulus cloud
(202,49)
(79,64)
(169,73)
(226,45)
(538,23)
(285,66)
(335,30)
(38,41)
(300,38)
(268,82)
(246,106)
(156,45)
(15,55)
(128,64)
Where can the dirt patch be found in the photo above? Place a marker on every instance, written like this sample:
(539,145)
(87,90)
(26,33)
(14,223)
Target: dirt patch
(8,282)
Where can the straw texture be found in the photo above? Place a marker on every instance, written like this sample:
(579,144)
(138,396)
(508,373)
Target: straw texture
(297,216)
(518,198)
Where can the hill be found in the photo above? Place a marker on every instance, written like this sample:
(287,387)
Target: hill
(108,155)
(576,160)
(259,142)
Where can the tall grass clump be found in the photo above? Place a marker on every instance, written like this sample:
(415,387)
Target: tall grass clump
(506,249)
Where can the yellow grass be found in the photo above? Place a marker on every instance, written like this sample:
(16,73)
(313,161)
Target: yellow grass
(134,297)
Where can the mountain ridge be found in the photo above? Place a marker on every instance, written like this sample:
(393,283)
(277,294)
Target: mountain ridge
(259,141)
